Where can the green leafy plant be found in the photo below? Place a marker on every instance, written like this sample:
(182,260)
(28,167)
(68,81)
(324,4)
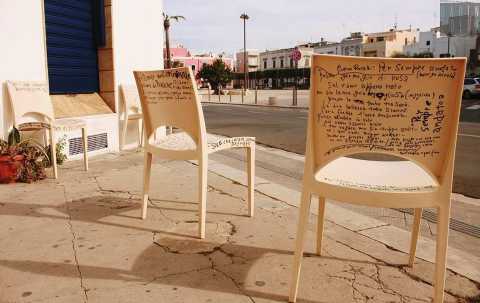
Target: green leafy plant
(218,74)
(29,154)
(59,151)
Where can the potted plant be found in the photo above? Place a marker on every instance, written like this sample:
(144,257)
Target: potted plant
(21,160)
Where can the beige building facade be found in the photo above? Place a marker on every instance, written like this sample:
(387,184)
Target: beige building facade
(386,44)
(252,60)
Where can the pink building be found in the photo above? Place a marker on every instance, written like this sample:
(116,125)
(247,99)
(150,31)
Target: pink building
(185,58)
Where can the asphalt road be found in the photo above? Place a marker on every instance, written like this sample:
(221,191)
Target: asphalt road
(286,129)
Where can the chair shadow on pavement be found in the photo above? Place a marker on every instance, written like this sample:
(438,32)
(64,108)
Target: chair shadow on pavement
(144,266)
(160,263)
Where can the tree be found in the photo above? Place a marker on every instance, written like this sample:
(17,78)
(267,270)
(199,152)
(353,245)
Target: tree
(217,74)
(166,26)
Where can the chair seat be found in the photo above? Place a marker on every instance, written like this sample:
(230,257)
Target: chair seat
(176,141)
(135,116)
(182,141)
(67,125)
(381,176)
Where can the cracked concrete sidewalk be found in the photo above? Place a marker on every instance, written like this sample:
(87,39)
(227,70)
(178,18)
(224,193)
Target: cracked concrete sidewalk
(80,239)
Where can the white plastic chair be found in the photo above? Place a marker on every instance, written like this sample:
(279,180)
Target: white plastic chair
(33,111)
(131,111)
(347,115)
(170,98)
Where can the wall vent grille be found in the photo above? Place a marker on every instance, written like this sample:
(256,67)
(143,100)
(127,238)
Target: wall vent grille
(95,142)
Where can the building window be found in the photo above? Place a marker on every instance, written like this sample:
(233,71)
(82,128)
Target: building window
(372,40)
(380,39)
(291,62)
(274,62)
(406,41)
(281,62)
(193,68)
(264,63)
(428,43)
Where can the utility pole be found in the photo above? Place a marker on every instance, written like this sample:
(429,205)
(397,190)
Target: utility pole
(245,17)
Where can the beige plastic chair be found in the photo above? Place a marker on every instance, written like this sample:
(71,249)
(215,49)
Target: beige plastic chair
(131,111)
(33,111)
(170,98)
(348,115)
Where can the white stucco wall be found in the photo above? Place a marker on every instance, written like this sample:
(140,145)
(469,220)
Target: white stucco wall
(334,49)
(22,51)
(459,46)
(137,45)
(137,38)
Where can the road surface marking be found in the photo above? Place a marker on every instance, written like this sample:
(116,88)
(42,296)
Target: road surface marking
(468,135)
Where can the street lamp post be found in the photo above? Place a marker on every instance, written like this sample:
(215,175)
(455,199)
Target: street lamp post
(449,34)
(245,17)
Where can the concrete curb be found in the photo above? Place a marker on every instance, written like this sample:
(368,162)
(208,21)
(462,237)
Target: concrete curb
(256,105)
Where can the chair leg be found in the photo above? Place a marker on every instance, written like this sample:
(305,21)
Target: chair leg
(441,252)
(140,132)
(320,224)
(45,138)
(147,167)
(202,195)
(53,144)
(85,147)
(301,232)
(124,131)
(415,233)
(251,179)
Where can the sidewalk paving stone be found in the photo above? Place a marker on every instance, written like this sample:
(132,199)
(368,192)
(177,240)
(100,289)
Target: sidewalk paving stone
(80,239)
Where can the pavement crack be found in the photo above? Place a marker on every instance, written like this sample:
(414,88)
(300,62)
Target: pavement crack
(74,247)
(373,227)
(237,285)
(162,213)
(221,192)
(175,275)
(233,230)
(113,191)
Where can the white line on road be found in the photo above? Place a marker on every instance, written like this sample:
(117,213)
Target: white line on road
(468,135)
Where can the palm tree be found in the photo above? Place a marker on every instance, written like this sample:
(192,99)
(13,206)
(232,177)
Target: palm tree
(166,26)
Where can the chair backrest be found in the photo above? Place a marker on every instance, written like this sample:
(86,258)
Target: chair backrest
(30,98)
(170,98)
(131,99)
(404,107)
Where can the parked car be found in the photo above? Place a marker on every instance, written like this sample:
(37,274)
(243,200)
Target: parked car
(471,87)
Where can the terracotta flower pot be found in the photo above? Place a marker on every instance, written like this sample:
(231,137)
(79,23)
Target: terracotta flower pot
(9,167)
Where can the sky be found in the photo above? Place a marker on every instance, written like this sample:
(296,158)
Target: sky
(215,25)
